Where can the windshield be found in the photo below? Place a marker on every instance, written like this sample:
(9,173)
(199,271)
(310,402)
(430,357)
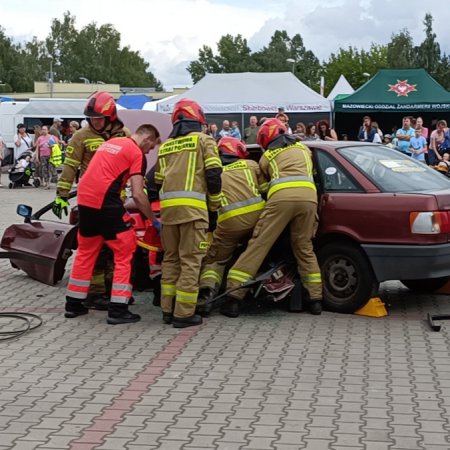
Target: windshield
(392,171)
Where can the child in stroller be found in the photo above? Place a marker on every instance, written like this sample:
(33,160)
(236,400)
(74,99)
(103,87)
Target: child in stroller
(21,174)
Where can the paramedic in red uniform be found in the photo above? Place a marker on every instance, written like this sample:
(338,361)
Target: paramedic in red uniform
(103,219)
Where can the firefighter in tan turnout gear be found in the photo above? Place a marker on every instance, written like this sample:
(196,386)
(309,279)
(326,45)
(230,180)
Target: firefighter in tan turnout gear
(104,124)
(291,199)
(189,170)
(242,186)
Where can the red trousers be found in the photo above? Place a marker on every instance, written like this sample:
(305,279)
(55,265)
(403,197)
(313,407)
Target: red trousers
(123,248)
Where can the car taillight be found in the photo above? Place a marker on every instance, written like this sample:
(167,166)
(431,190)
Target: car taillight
(430,222)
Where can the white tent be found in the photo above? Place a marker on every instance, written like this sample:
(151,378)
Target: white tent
(153,106)
(342,86)
(254,93)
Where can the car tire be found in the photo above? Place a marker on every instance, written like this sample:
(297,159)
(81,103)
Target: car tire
(426,285)
(347,276)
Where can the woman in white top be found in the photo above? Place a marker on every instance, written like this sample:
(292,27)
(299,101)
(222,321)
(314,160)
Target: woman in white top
(22,141)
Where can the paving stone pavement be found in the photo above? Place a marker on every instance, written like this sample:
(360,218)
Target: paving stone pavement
(267,380)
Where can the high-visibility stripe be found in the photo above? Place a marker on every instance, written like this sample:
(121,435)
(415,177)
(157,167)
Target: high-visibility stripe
(182,194)
(210,274)
(291,184)
(308,162)
(122,287)
(215,197)
(312,278)
(64,185)
(223,200)
(263,187)
(274,167)
(93,143)
(213,161)
(77,282)
(186,297)
(274,152)
(119,299)
(190,176)
(168,289)
(240,164)
(184,202)
(243,210)
(238,275)
(292,178)
(76,294)
(251,181)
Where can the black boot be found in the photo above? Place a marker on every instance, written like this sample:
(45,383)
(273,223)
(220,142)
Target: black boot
(74,308)
(204,305)
(97,301)
(118,313)
(185,322)
(167,317)
(315,307)
(230,307)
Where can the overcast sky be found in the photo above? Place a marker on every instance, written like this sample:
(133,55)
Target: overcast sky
(169,33)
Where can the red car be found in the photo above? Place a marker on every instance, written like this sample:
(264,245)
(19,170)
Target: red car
(383,216)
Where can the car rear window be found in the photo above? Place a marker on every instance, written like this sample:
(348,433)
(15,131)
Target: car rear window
(393,171)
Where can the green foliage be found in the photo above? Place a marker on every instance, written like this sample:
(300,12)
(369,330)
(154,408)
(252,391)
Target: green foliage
(94,52)
(400,51)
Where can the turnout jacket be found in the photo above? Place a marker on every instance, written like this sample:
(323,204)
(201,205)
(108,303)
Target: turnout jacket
(290,170)
(80,151)
(181,169)
(242,186)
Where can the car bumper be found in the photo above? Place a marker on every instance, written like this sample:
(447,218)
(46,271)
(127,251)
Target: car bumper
(409,262)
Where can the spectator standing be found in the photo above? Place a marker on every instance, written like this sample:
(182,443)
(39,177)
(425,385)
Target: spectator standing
(235,131)
(55,129)
(214,131)
(251,132)
(438,142)
(284,119)
(366,131)
(22,141)
(419,125)
(325,132)
(418,146)
(311,134)
(378,137)
(73,127)
(404,135)
(300,130)
(226,130)
(43,153)
(2,156)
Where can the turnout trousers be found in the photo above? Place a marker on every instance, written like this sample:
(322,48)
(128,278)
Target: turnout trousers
(123,248)
(277,214)
(185,246)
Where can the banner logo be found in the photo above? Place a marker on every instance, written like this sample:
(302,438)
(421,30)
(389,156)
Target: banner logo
(402,88)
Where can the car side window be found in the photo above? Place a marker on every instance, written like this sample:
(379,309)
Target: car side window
(334,178)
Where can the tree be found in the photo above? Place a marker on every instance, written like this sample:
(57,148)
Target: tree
(428,53)
(233,55)
(400,51)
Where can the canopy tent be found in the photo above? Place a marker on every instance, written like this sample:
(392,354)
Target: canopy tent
(341,89)
(64,108)
(401,90)
(253,93)
(133,101)
(153,106)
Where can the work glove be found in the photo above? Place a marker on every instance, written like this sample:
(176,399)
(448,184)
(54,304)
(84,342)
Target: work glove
(59,205)
(157,225)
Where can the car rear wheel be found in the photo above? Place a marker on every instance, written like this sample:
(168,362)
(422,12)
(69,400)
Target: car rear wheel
(348,278)
(426,285)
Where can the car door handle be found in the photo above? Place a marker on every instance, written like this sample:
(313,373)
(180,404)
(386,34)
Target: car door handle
(58,233)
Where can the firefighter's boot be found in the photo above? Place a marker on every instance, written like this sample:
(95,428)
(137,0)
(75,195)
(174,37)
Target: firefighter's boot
(204,302)
(118,313)
(167,317)
(230,307)
(185,322)
(97,301)
(74,308)
(315,307)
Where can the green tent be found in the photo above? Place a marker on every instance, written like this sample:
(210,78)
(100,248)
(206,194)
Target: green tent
(401,90)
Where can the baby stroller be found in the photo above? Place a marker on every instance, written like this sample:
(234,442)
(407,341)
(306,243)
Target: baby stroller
(22,173)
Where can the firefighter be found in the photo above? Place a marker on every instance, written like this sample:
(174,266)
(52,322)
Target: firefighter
(103,220)
(101,114)
(242,186)
(291,200)
(188,170)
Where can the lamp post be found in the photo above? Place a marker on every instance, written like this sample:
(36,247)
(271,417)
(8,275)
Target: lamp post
(50,78)
(291,60)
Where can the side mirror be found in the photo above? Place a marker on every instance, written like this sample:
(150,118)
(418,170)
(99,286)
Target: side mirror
(24,211)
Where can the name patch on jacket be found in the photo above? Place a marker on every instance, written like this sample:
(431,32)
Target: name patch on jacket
(236,165)
(178,145)
(271,154)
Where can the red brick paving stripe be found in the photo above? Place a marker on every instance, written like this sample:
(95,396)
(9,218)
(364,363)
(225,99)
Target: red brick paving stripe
(102,426)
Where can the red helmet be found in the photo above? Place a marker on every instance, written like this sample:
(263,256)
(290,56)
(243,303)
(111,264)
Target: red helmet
(269,130)
(101,104)
(232,146)
(186,109)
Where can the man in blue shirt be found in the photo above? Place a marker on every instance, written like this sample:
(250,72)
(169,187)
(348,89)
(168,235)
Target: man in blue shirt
(404,135)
